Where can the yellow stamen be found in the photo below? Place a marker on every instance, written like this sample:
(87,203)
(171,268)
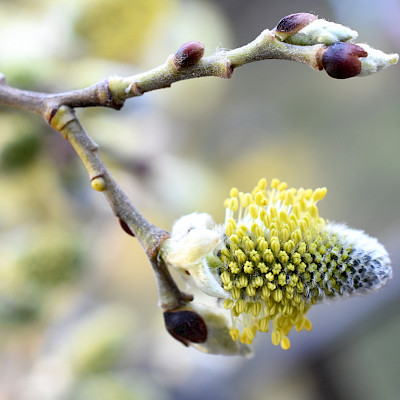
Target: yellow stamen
(275,248)
(285,343)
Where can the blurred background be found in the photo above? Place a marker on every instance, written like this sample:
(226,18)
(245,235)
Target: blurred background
(78,304)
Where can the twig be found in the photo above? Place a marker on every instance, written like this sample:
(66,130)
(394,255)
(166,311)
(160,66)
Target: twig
(150,236)
(113,92)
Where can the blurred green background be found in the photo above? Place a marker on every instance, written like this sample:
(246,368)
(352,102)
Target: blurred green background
(78,305)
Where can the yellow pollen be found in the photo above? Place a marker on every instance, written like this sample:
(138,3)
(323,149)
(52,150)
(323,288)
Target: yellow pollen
(233,192)
(263,324)
(242,282)
(314,211)
(262,244)
(307,324)
(282,186)
(248,267)
(225,277)
(265,292)
(257,282)
(268,256)
(228,303)
(319,194)
(262,183)
(275,183)
(253,211)
(235,293)
(251,291)
(233,204)
(234,334)
(275,246)
(276,338)
(247,336)
(274,212)
(270,276)
(260,199)
(239,306)
(285,343)
(257,231)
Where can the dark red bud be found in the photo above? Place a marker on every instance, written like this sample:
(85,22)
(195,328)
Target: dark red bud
(189,54)
(125,227)
(294,22)
(186,326)
(341,60)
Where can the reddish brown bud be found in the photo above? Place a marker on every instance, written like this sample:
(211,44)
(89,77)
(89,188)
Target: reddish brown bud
(189,54)
(125,227)
(341,60)
(292,23)
(186,326)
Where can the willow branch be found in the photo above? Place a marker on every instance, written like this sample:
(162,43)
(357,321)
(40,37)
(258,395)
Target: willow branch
(113,92)
(150,236)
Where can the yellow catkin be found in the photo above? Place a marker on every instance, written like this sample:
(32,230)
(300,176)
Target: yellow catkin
(275,249)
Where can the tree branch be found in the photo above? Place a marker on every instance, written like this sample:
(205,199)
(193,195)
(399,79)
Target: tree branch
(113,92)
(150,236)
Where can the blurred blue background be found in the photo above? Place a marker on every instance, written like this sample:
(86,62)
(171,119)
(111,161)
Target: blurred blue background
(78,304)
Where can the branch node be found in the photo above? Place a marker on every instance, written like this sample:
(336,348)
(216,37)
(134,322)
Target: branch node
(319,56)
(183,299)
(172,61)
(59,118)
(228,70)
(50,112)
(159,236)
(133,89)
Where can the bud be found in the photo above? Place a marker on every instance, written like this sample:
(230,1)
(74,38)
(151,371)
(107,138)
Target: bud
(292,23)
(185,326)
(203,328)
(190,248)
(98,183)
(189,54)
(125,227)
(341,60)
(318,31)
